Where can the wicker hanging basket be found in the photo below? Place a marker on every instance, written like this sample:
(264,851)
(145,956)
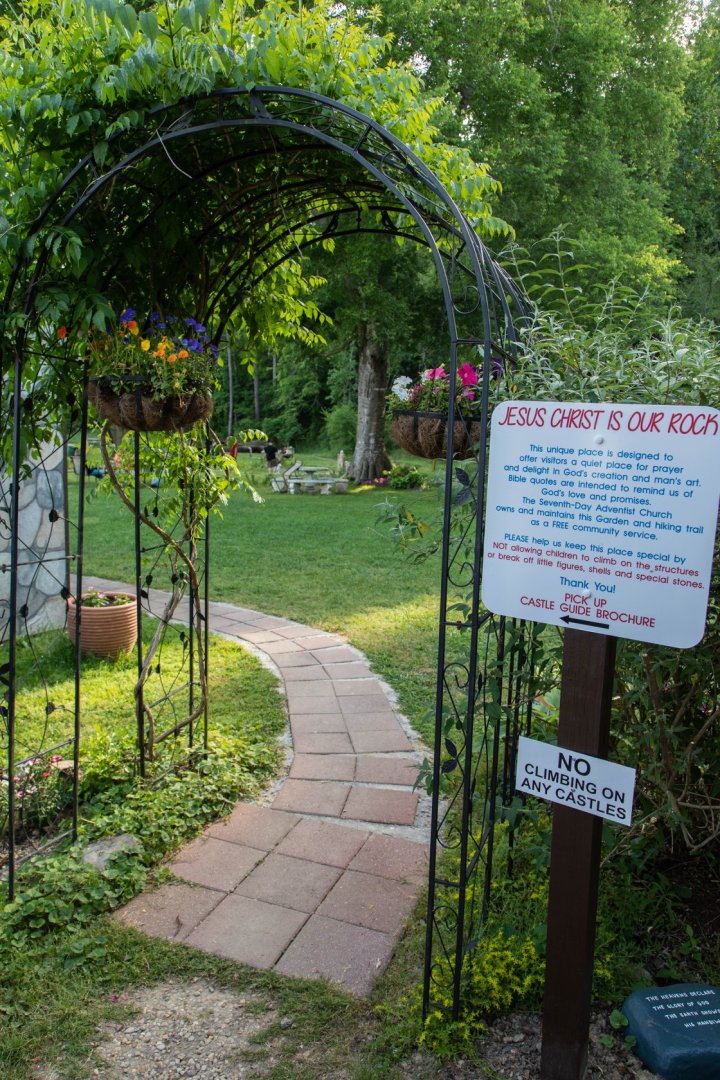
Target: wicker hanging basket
(425,434)
(136,410)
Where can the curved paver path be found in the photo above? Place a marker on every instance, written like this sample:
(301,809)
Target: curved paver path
(319,882)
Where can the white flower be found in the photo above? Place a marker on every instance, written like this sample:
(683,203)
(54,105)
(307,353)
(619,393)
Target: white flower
(400,387)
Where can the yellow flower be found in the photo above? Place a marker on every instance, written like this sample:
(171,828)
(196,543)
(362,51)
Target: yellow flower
(144,344)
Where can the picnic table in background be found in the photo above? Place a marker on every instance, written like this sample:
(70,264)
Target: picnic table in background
(302,479)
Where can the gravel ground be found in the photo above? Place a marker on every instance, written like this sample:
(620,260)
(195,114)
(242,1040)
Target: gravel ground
(184,1030)
(198,1030)
(511,1051)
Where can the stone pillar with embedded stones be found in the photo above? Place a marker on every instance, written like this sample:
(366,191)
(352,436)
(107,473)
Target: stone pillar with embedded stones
(42,545)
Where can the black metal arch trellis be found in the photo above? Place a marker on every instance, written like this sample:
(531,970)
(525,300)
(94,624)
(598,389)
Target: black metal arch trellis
(238,182)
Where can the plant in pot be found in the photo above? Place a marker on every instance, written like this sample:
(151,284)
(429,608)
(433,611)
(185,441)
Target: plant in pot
(154,376)
(419,412)
(108,623)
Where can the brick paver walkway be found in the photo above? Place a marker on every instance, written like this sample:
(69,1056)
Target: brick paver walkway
(320,882)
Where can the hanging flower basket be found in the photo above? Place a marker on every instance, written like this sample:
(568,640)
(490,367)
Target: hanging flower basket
(137,410)
(109,630)
(424,434)
(154,375)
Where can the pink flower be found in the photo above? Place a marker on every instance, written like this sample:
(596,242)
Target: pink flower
(468,375)
(436,373)
(469,394)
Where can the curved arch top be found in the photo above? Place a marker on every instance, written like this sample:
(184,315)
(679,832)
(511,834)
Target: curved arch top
(214,191)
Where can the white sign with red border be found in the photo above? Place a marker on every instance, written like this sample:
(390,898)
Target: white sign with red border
(602,517)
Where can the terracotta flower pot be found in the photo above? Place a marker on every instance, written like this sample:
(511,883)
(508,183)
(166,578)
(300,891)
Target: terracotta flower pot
(137,411)
(425,434)
(104,631)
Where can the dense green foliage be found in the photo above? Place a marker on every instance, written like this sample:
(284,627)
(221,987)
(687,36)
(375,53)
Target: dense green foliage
(576,104)
(601,116)
(82,79)
(600,119)
(695,188)
(101,66)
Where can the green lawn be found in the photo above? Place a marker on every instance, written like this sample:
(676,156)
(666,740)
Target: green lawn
(323,560)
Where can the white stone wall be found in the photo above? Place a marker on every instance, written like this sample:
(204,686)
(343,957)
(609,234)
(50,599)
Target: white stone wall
(42,562)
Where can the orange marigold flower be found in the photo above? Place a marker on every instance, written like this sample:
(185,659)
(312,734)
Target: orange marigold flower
(183,354)
(171,358)
(133,327)
(62,332)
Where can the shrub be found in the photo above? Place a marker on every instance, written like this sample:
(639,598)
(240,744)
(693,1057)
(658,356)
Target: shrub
(403,477)
(501,971)
(341,428)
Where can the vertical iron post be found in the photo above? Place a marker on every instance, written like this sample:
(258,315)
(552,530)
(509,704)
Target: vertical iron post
(206,632)
(13,614)
(585,696)
(192,554)
(139,699)
(78,598)
(437,744)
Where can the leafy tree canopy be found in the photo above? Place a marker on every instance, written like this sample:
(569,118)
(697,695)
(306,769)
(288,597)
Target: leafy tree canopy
(76,73)
(577,104)
(695,180)
(81,77)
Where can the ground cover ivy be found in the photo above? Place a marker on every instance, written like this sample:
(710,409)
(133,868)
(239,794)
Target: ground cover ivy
(61,893)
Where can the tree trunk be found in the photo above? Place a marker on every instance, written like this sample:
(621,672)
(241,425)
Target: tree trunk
(370,458)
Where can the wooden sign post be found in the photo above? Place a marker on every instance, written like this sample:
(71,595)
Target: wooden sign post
(585,693)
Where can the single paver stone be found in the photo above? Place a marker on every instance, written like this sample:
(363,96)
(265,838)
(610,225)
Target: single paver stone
(351,956)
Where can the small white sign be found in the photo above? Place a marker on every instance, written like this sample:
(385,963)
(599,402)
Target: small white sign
(602,517)
(585,783)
